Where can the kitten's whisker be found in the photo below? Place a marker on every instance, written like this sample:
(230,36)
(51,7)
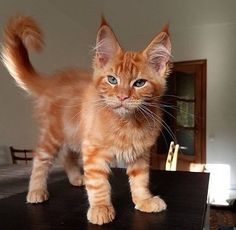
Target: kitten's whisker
(151,104)
(162,122)
(143,113)
(165,111)
(97,103)
(181,110)
(171,95)
(78,103)
(154,122)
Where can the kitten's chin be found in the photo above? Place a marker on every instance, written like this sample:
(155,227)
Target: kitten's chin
(122,111)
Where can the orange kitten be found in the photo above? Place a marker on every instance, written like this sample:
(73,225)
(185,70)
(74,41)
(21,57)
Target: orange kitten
(113,113)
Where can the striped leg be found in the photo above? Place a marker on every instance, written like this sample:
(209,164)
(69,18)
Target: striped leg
(43,159)
(96,171)
(71,164)
(139,182)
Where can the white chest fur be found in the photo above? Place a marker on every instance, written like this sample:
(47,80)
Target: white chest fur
(131,145)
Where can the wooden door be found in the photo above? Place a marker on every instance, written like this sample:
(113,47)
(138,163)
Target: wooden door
(184,116)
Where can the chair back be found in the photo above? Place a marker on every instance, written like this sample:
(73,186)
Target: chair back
(24,155)
(172,157)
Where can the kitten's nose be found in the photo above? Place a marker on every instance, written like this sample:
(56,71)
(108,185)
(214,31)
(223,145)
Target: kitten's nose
(122,97)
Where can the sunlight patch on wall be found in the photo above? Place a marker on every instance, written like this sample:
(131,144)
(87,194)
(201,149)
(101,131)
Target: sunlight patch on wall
(219,184)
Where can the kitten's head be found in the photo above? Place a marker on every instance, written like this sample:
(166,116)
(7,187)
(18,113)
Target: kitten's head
(128,80)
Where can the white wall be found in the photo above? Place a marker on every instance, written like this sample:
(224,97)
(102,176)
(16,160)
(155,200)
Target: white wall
(64,47)
(200,30)
(216,43)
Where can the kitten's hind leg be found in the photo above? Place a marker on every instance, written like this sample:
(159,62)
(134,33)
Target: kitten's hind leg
(38,181)
(70,161)
(43,158)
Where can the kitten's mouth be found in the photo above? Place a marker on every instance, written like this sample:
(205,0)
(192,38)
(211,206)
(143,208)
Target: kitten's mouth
(121,106)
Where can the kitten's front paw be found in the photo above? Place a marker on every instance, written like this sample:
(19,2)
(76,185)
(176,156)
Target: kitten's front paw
(77,181)
(101,214)
(37,196)
(153,204)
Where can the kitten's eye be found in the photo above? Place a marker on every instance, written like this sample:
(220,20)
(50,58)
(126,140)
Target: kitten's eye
(112,80)
(139,83)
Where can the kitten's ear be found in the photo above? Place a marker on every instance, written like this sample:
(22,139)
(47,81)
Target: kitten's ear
(158,52)
(106,45)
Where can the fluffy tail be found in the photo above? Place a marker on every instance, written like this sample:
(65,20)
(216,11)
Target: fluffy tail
(20,35)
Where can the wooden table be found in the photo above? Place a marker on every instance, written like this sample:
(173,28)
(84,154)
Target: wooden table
(185,194)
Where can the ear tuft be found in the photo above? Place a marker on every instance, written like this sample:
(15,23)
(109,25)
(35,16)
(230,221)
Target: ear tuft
(165,29)
(103,21)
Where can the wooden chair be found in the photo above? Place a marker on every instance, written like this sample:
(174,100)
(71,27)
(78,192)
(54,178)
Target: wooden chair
(21,155)
(171,161)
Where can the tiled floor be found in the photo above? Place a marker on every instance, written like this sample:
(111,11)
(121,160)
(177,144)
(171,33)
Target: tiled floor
(221,218)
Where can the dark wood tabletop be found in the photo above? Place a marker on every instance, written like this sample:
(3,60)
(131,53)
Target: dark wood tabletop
(184,192)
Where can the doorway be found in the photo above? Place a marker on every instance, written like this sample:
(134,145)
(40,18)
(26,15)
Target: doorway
(184,116)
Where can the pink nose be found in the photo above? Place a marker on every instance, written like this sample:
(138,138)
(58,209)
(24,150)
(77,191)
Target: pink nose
(122,97)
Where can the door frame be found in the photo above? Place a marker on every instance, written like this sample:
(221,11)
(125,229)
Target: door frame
(158,160)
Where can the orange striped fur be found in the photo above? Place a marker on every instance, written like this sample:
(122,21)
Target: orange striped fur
(112,113)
